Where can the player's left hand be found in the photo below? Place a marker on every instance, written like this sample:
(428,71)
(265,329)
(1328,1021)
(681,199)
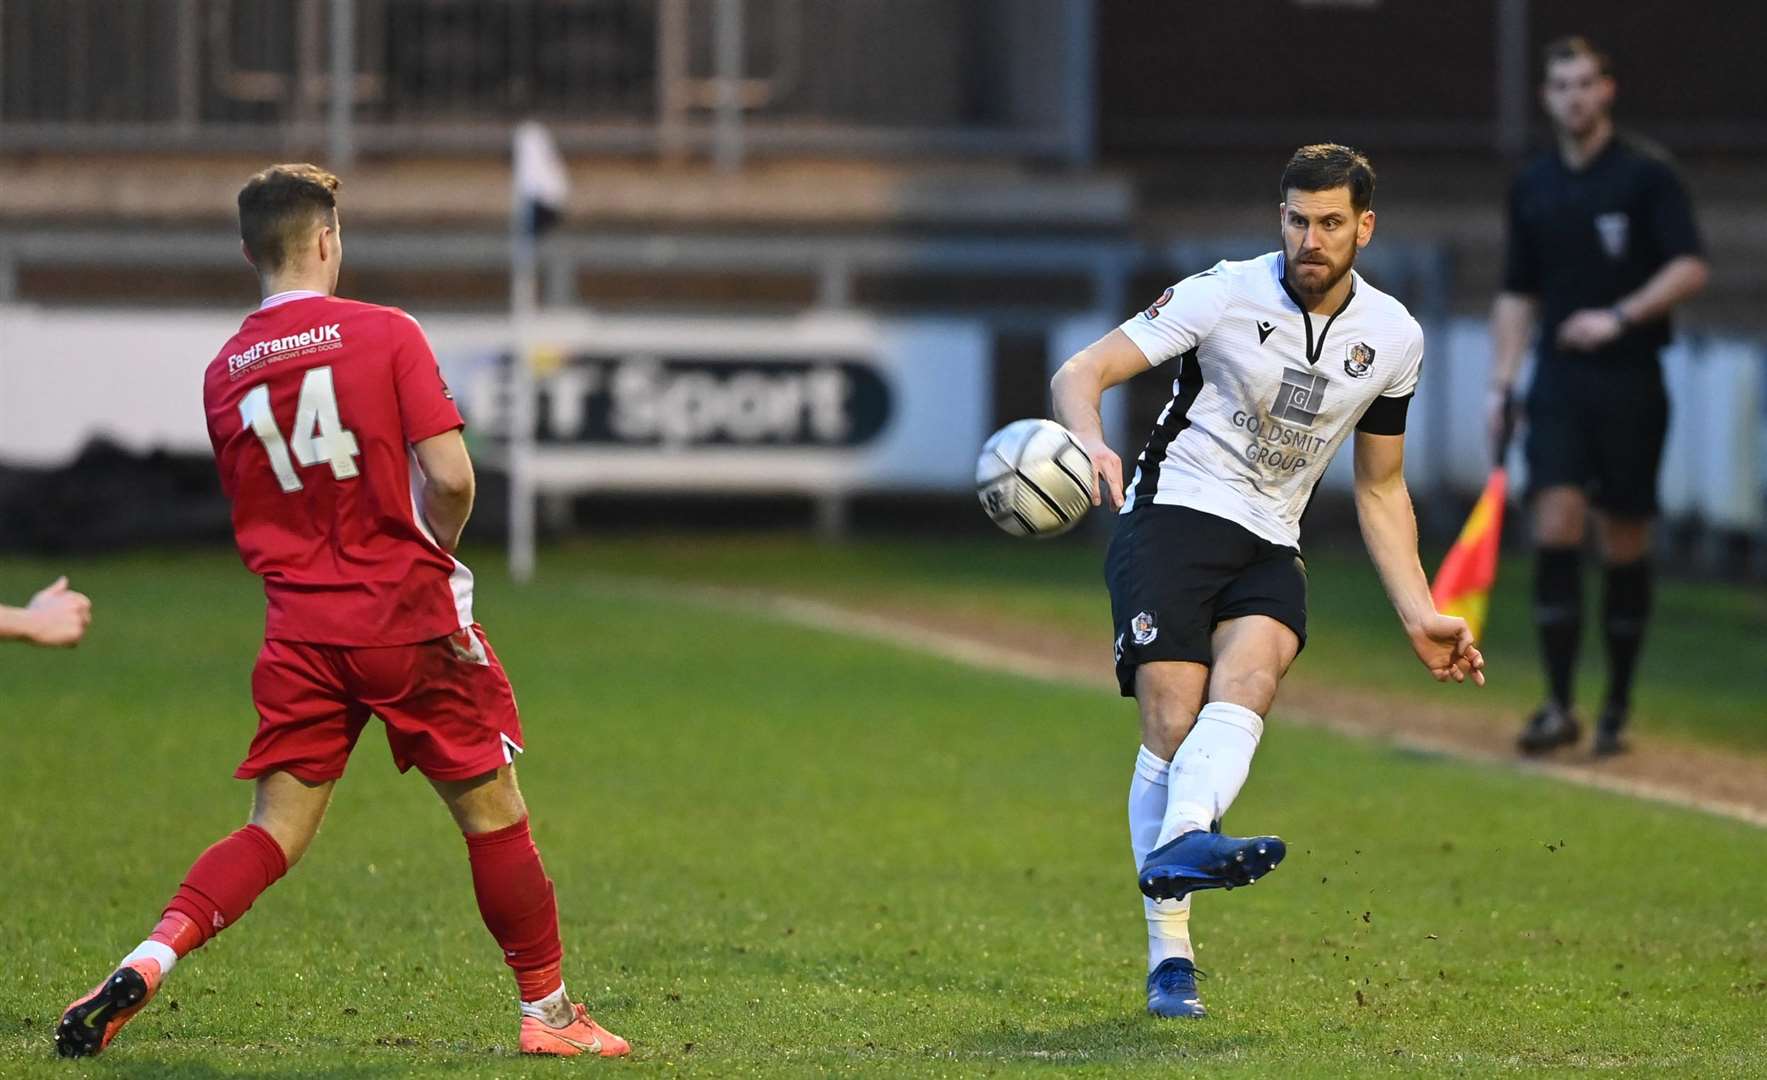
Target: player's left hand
(59,616)
(1590,329)
(1445,645)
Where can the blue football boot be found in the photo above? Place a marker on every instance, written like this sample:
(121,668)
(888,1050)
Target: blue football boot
(1171,990)
(1207,860)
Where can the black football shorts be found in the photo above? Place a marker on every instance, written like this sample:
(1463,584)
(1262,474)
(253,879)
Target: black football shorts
(1175,573)
(1600,430)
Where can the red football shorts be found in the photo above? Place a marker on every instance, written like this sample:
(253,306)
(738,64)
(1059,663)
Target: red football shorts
(446,704)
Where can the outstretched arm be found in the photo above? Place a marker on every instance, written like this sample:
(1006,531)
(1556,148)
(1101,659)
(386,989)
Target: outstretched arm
(1077,389)
(1389,527)
(57,616)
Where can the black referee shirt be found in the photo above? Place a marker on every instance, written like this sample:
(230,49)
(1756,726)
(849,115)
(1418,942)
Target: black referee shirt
(1586,238)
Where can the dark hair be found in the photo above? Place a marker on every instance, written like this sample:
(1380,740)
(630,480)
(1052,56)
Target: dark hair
(1323,166)
(279,204)
(1572,47)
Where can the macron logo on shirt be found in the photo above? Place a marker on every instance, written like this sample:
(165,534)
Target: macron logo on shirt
(319,338)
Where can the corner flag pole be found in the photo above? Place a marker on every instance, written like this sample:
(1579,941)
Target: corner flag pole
(537,194)
(524,290)
(1469,571)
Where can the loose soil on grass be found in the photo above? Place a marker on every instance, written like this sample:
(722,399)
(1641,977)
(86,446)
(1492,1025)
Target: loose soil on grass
(1729,782)
(1732,783)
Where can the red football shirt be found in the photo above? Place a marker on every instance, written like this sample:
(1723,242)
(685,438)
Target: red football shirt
(312,408)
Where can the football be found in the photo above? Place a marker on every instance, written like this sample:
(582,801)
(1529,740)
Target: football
(1034,479)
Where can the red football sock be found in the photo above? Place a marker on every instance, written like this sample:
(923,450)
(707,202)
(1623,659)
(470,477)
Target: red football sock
(516,902)
(220,888)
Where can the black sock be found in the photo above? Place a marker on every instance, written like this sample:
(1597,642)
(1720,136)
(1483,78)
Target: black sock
(1625,608)
(1558,612)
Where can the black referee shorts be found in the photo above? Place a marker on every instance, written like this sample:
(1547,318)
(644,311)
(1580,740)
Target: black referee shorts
(1599,428)
(1174,573)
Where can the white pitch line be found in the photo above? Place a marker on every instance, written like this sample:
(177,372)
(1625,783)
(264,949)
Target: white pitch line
(961,649)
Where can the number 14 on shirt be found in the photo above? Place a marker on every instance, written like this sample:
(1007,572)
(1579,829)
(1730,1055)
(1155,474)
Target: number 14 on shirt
(318,434)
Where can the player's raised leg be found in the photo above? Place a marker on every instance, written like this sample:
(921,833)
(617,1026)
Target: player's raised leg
(1168,695)
(1212,763)
(516,901)
(218,890)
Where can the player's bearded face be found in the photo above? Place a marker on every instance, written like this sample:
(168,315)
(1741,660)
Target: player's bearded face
(1321,233)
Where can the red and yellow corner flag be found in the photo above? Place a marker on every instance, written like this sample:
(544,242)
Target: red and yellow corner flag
(1463,584)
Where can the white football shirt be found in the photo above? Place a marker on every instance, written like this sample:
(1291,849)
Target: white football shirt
(1265,392)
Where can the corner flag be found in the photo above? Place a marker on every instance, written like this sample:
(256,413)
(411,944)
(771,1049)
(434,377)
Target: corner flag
(541,182)
(1463,584)
(537,192)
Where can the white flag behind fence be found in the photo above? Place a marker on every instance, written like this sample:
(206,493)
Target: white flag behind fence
(541,182)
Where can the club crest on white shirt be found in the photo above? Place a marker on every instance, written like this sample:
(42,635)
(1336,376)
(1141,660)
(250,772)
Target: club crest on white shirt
(1613,229)
(1359,360)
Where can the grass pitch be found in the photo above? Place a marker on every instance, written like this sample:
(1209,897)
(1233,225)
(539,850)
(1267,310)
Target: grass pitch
(785,852)
(1700,677)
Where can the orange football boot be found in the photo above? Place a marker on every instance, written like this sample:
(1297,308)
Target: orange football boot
(581,1036)
(93,1021)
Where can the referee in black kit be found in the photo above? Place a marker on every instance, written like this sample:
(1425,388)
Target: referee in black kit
(1602,246)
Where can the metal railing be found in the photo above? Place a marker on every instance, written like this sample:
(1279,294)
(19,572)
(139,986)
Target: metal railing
(724,78)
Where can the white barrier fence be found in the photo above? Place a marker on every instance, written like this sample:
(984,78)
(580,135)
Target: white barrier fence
(1714,462)
(814,404)
(780,405)
(817,405)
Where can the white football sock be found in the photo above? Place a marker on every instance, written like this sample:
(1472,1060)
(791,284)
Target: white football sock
(550,1008)
(1168,930)
(1168,921)
(159,952)
(1209,768)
